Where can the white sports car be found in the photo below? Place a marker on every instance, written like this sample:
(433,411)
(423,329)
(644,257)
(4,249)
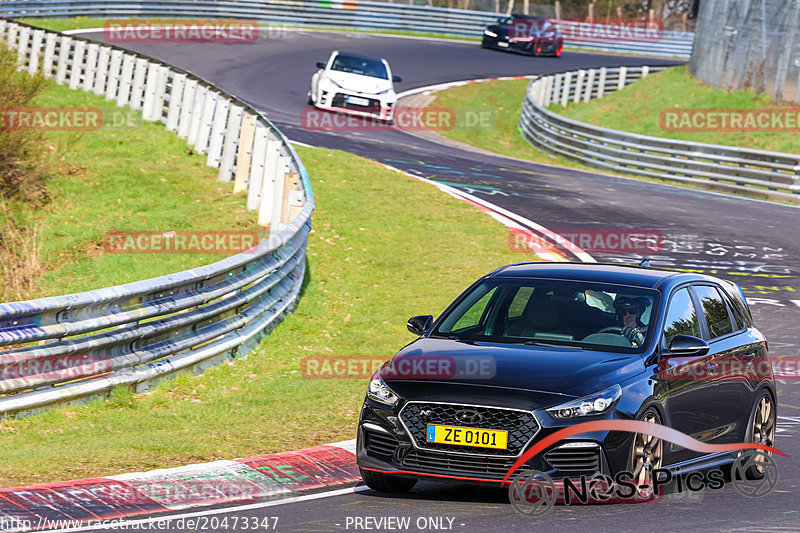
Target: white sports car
(355,84)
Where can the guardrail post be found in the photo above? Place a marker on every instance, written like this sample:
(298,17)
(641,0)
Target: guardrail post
(175,100)
(645,71)
(150,86)
(579,86)
(245,154)
(279,200)
(114,68)
(623,78)
(206,121)
(22,48)
(548,90)
(230,144)
(3,25)
(257,167)
(36,49)
(601,86)
(11,35)
(101,77)
(197,114)
(187,108)
(91,66)
(217,134)
(49,55)
(63,60)
(557,88)
(77,64)
(565,89)
(271,174)
(161,93)
(125,80)
(137,89)
(587,94)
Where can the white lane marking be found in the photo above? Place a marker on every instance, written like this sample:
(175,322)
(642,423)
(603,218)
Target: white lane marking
(580,254)
(157,518)
(795,302)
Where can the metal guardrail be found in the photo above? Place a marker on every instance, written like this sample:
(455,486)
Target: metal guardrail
(771,175)
(137,333)
(361,15)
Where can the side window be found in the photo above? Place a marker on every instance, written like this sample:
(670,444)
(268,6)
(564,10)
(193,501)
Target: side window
(520,301)
(473,316)
(681,316)
(736,312)
(715,310)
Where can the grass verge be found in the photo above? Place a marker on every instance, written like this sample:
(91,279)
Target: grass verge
(138,177)
(385,247)
(638,109)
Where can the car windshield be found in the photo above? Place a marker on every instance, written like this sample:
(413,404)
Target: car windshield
(587,315)
(360,65)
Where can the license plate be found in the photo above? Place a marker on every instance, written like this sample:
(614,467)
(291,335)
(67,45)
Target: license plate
(460,436)
(357,101)
(501,44)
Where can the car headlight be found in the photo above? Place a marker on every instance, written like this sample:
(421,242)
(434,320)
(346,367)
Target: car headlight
(380,392)
(592,405)
(385,91)
(489,33)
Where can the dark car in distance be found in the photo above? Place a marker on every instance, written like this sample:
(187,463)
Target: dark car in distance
(532,348)
(524,34)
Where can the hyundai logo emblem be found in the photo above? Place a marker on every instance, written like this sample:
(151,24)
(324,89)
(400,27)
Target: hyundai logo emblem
(468,416)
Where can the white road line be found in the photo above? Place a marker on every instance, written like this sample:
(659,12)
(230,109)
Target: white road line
(580,254)
(158,518)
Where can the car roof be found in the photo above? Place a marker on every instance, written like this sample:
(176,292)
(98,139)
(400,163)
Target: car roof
(356,56)
(647,277)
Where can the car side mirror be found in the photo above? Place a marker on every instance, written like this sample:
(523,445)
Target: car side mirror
(419,324)
(397,79)
(688,346)
(320,64)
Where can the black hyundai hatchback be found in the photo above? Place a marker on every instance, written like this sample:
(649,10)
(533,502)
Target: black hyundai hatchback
(532,348)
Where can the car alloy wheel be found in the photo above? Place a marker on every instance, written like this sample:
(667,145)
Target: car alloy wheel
(762,431)
(646,456)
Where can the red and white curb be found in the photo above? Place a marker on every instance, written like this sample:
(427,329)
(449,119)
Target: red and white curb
(261,478)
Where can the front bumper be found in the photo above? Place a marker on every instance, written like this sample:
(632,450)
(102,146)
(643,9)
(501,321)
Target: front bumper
(382,109)
(386,445)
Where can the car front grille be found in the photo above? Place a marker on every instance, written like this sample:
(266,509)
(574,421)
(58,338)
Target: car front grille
(521,426)
(340,101)
(493,467)
(573,460)
(380,445)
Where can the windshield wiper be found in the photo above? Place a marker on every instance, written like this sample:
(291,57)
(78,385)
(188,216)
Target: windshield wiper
(546,345)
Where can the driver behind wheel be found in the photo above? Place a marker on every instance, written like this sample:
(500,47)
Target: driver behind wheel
(629,315)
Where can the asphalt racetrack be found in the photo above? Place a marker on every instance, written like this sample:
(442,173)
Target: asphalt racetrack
(753,243)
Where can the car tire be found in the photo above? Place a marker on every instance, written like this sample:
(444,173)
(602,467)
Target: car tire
(761,428)
(310,100)
(646,454)
(386,483)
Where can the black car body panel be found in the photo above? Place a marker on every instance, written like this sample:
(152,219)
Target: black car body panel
(524,34)
(527,380)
